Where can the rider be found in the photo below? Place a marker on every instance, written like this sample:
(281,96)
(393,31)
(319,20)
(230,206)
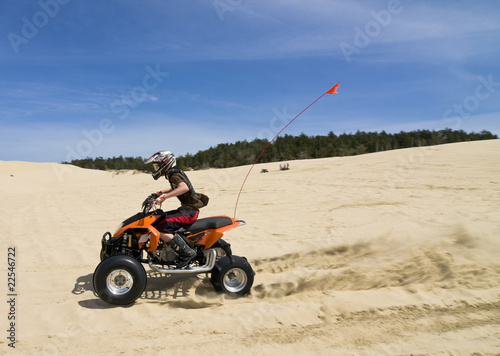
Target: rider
(180,187)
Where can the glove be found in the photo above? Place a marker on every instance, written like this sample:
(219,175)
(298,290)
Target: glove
(148,203)
(153,205)
(159,200)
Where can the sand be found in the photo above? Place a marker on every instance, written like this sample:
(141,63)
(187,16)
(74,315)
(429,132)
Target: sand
(392,253)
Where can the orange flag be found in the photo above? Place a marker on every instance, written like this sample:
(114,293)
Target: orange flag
(333,90)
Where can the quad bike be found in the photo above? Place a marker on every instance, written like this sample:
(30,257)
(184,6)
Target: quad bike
(120,278)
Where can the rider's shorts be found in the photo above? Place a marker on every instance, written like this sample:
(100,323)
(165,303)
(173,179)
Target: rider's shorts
(173,220)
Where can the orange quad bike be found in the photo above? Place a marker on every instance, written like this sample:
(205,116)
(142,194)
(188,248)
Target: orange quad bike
(120,278)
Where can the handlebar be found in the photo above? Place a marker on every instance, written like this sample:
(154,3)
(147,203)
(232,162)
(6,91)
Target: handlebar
(149,203)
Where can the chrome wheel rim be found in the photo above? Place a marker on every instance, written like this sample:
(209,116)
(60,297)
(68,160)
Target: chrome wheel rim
(235,280)
(119,282)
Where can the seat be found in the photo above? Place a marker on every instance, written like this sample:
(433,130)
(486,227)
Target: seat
(209,223)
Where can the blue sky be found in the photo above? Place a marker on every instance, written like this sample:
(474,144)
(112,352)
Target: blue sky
(94,78)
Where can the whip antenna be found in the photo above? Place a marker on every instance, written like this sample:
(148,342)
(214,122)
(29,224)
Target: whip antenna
(333,90)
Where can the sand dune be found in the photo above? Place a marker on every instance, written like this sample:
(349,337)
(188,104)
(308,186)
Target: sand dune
(393,253)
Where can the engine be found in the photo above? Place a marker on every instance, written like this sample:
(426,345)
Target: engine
(164,254)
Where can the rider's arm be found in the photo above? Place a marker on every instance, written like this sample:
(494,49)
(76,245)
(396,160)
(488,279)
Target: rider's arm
(170,193)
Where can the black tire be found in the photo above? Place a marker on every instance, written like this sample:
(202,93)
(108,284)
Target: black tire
(224,246)
(119,279)
(232,275)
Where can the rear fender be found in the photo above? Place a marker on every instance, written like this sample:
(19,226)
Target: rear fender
(210,236)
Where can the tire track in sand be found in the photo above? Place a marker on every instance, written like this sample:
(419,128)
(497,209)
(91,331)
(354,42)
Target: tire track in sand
(377,264)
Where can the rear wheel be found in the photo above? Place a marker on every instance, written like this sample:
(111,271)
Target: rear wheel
(119,279)
(232,275)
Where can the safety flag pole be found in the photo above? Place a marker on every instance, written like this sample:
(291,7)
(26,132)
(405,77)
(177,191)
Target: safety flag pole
(332,90)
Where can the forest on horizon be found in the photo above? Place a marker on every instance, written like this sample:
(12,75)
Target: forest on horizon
(288,147)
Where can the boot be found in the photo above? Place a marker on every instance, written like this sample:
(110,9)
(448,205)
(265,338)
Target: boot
(186,253)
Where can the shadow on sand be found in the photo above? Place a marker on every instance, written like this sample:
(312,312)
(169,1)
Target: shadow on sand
(178,291)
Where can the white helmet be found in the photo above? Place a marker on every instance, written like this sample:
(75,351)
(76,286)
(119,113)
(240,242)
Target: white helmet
(162,161)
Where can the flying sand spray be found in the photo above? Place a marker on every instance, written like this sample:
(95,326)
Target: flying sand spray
(332,90)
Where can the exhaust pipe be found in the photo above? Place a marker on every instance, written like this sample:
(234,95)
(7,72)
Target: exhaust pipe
(210,255)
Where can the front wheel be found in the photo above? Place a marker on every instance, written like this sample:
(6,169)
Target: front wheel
(232,275)
(119,279)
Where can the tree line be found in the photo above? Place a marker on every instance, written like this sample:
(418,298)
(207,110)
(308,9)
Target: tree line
(289,147)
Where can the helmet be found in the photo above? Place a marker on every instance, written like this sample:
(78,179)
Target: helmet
(162,161)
